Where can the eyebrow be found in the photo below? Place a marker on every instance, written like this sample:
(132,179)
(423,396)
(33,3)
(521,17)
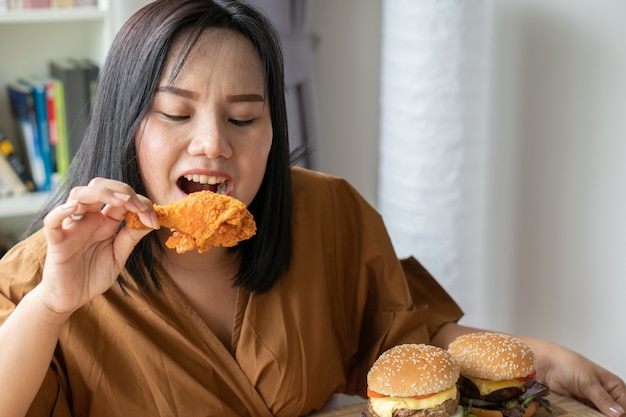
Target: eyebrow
(178,91)
(245,97)
(235,98)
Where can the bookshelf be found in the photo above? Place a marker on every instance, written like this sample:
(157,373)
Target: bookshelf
(29,39)
(16,214)
(21,17)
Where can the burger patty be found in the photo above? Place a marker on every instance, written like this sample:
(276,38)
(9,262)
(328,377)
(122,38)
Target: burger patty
(444,409)
(469,390)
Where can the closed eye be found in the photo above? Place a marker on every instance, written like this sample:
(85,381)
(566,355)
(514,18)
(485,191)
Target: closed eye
(241,123)
(175,117)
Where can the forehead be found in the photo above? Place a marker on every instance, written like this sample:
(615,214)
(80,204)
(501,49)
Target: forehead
(218,53)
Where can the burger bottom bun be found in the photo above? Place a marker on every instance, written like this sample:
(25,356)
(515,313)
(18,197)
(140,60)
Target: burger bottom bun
(481,412)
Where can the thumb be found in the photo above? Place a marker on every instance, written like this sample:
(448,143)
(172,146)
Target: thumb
(125,242)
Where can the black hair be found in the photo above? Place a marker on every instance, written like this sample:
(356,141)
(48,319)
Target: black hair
(125,89)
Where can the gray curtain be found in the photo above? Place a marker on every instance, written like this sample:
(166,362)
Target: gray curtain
(291,17)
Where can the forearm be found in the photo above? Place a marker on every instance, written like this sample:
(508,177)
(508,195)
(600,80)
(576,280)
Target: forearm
(27,341)
(450,331)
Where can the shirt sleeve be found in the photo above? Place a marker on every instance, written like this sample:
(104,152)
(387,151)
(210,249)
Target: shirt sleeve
(20,272)
(426,291)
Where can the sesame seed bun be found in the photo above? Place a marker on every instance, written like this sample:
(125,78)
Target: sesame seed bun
(492,356)
(413,369)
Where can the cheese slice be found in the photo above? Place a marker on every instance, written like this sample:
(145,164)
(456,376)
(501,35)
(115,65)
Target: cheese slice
(385,406)
(487,387)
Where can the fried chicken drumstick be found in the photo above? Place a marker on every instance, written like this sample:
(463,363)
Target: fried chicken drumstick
(201,220)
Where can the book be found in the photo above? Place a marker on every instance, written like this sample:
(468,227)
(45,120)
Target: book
(23,111)
(75,89)
(38,87)
(19,167)
(91,71)
(5,189)
(36,4)
(62,3)
(15,4)
(57,129)
(61,146)
(12,184)
(51,112)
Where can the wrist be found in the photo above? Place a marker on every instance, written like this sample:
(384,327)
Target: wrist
(44,311)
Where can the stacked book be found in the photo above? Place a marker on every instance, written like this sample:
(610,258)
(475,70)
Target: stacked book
(40,4)
(51,114)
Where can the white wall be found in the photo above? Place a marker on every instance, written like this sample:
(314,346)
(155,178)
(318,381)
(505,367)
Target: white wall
(558,172)
(346,82)
(555,217)
(121,10)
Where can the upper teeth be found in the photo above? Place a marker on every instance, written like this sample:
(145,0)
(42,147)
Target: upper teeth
(205,179)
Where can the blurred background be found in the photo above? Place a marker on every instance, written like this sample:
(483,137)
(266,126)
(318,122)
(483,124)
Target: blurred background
(491,135)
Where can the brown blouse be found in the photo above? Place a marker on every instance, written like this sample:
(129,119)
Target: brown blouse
(344,300)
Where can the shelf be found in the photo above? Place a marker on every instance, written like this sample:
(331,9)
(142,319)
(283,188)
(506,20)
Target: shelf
(22,205)
(53,15)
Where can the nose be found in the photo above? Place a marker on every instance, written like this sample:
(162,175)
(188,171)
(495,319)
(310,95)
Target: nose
(209,139)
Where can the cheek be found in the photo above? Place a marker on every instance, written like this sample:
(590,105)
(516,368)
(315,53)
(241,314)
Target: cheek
(255,164)
(266,146)
(151,155)
(266,142)
(145,153)
(152,145)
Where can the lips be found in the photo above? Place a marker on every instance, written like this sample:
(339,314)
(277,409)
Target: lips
(192,183)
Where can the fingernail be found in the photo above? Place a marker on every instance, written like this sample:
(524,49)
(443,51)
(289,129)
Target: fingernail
(154,220)
(121,196)
(69,205)
(143,205)
(616,410)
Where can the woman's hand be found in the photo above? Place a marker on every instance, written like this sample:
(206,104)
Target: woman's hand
(570,373)
(87,251)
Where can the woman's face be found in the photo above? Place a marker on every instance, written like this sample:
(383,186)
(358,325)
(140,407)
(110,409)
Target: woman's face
(211,127)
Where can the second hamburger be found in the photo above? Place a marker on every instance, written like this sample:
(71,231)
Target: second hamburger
(498,376)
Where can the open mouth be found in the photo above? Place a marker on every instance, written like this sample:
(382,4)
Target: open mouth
(193,183)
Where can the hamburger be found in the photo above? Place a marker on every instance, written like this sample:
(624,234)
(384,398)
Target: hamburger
(413,380)
(498,377)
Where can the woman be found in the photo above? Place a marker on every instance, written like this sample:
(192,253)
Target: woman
(191,97)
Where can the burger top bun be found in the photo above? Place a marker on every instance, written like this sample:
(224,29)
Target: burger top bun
(492,356)
(413,369)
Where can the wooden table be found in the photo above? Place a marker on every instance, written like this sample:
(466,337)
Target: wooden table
(563,406)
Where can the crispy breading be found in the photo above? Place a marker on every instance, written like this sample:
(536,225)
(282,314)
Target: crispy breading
(201,220)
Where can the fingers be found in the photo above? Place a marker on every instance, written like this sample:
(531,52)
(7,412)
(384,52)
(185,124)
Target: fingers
(55,220)
(614,404)
(606,403)
(103,192)
(126,240)
(112,199)
(608,393)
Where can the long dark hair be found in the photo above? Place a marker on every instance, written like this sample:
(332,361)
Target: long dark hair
(125,90)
